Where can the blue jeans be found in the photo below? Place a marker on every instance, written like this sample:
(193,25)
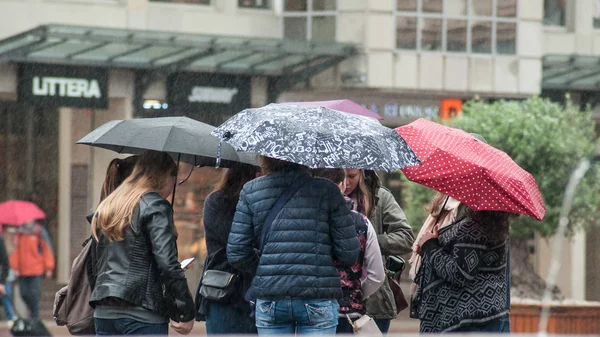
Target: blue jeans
(297,316)
(127,326)
(7,303)
(29,286)
(383,325)
(223,319)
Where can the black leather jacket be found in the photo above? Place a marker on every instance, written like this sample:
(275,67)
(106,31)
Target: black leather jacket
(135,270)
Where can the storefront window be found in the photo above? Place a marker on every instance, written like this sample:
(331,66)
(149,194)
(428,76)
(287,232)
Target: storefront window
(554,12)
(193,2)
(260,4)
(457,26)
(310,19)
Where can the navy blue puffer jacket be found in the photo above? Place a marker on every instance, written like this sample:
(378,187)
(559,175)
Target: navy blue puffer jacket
(314,228)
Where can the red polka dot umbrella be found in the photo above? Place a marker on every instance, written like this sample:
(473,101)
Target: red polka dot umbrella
(459,165)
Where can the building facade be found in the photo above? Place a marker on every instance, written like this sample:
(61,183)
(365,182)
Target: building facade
(408,59)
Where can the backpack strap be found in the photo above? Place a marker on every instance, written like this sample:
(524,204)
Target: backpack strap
(283,199)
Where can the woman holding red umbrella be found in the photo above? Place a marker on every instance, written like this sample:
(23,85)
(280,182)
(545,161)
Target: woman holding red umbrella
(462,283)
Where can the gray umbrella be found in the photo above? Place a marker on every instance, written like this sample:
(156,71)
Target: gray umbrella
(185,139)
(317,137)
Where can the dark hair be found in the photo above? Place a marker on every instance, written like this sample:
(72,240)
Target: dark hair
(118,170)
(337,175)
(373,183)
(270,165)
(234,179)
(496,224)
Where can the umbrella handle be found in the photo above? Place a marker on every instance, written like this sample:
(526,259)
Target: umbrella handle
(440,213)
(175,185)
(188,176)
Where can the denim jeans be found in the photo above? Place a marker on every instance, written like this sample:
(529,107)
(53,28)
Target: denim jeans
(127,326)
(223,319)
(344,327)
(297,316)
(7,303)
(383,325)
(29,286)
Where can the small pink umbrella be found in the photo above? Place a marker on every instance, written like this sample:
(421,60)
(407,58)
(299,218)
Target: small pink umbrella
(344,105)
(18,212)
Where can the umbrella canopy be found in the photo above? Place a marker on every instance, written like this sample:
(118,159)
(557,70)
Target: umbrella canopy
(459,165)
(317,137)
(184,138)
(18,212)
(344,105)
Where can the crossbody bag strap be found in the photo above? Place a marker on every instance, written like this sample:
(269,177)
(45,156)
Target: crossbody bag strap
(283,199)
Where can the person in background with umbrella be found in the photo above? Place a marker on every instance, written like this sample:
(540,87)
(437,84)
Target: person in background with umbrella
(394,234)
(32,259)
(461,284)
(362,279)
(5,289)
(137,255)
(296,284)
(231,315)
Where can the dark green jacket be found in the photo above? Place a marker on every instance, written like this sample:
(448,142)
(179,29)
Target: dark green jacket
(395,237)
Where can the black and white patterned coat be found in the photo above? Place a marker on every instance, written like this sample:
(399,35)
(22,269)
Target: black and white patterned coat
(463,277)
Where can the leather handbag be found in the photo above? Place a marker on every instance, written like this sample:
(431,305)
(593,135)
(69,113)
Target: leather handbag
(218,285)
(394,267)
(365,326)
(399,298)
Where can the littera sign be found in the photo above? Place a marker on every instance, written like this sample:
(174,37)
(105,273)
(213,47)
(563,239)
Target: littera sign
(66,87)
(58,85)
(212,95)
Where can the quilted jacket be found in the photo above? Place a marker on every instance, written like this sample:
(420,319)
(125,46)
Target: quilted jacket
(313,228)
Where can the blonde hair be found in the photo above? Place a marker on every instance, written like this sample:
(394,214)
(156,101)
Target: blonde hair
(118,170)
(115,212)
(363,195)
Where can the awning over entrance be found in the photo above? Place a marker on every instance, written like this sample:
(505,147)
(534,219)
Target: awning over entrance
(138,49)
(156,55)
(571,72)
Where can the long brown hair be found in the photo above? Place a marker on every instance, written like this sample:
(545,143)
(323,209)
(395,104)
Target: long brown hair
(115,213)
(234,179)
(495,222)
(118,169)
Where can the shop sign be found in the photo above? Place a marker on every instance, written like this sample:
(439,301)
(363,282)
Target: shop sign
(404,111)
(217,93)
(55,85)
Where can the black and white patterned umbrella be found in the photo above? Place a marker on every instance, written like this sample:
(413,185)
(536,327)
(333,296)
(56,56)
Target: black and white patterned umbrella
(317,137)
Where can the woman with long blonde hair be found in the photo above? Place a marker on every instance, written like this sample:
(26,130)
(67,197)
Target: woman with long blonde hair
(394,234)
(136,263)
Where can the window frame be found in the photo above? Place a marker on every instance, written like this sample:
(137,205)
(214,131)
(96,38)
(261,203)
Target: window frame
(309,14)
(169,3)
(565,25)
(470,18)
(268,8)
